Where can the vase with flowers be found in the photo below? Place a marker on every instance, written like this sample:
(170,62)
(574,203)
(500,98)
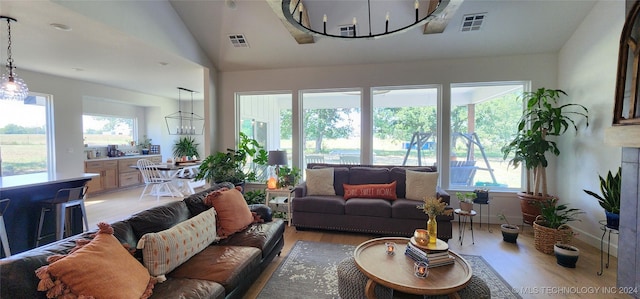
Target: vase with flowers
(433,207)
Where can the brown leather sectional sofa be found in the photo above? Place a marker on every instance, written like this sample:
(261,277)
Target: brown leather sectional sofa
(265,240)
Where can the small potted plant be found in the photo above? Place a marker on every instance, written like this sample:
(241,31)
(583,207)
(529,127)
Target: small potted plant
(187,147)
(144,145)
(466,200)
(551,226)
(482,196)
(566,255)
(509,231)
(288,176)
(610,199)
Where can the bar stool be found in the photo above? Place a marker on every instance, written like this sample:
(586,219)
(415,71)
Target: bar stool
(4,204)
(65,198)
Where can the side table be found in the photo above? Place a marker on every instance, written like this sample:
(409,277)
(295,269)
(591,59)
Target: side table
(279,200)
(481,203)
(605,229)
(463,217)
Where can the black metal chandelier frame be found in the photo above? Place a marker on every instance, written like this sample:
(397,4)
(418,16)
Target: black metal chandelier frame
(290,14)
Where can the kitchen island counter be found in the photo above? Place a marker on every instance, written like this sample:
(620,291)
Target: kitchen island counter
(26,192)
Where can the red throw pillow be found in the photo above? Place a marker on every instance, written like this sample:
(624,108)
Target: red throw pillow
(384,191)
(232,211)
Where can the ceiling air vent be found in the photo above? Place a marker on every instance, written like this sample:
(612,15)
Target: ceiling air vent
(472,22)
(238,41)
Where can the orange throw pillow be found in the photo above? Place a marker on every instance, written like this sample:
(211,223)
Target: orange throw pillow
(232,211)
(384,191)
(100,268)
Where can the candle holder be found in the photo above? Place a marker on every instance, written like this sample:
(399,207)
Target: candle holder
(390,248)
(421,269)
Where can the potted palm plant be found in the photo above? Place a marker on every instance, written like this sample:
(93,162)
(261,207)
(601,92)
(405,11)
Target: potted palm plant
(610,199)
(543,121)
(186,146)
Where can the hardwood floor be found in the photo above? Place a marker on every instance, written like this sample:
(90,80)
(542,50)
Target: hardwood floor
(521,265)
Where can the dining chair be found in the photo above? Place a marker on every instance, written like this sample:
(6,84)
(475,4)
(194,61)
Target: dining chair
(161,185)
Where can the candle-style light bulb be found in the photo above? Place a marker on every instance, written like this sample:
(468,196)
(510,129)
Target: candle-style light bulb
(354,26)
(300,9)
(416,4)
(324,23)
(386,23)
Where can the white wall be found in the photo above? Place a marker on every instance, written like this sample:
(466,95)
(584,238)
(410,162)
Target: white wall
(68,108)
(541,69)
(587,72)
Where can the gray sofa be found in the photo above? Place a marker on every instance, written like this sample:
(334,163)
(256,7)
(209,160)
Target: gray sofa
(398,217)
(237,271)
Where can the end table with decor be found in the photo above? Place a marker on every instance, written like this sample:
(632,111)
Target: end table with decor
(279,200)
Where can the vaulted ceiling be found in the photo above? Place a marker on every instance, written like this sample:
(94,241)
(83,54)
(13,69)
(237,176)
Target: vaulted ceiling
(97,52)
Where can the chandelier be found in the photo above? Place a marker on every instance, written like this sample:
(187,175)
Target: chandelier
(184,123)
(12,87)
(360,18)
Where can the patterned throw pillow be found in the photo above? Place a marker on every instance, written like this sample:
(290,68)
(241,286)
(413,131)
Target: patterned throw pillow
(320,181)
(421,184)
(383,191)
(165,250)
(97,268)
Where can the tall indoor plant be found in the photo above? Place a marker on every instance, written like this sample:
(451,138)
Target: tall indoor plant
(610,199)
(543,121)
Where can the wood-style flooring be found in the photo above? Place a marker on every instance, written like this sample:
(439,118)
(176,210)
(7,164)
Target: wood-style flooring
(532,273)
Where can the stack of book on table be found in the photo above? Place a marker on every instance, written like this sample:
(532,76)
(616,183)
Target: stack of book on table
(434,258)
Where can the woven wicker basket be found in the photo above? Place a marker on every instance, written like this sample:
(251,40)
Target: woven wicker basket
(544,237)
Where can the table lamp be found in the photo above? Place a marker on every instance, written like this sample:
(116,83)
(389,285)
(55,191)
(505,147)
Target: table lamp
(276,158)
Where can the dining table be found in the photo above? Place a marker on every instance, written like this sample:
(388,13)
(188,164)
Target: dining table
(182,175)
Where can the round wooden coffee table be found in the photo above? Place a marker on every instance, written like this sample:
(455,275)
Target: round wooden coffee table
(396,271)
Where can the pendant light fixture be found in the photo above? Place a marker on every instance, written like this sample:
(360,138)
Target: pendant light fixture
(12,87)
(184,123)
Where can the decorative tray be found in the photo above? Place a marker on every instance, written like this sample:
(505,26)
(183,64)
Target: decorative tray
(440,245)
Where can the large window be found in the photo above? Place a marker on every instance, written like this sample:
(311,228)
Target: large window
(401,125)
(405,125)
(267,119)
(25,140)
(102,130)
(331,126)
(483,119)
